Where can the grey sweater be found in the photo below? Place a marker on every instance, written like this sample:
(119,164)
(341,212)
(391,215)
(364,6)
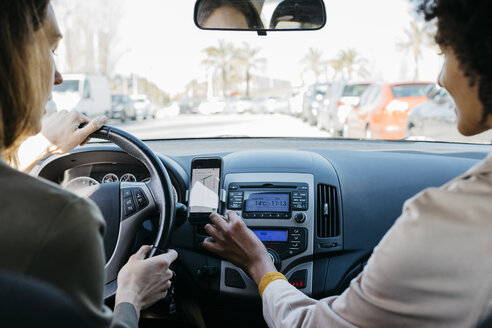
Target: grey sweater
(53,235)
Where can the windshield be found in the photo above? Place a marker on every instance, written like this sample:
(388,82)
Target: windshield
(355,90)
(184,82)
(410,90)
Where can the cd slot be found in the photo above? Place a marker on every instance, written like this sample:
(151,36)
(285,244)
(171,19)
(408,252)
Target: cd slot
(267,185)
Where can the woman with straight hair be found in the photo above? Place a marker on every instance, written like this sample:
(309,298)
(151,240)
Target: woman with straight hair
(47,232)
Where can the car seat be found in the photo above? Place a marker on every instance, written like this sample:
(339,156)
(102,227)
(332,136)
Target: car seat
(29,302)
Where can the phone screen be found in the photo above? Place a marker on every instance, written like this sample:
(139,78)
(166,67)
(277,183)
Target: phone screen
(204,193)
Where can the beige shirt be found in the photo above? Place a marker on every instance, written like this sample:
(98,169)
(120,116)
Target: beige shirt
(433,268)
(51,234)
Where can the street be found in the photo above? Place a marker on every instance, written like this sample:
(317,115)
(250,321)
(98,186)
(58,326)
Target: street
(252,125)
(235,125)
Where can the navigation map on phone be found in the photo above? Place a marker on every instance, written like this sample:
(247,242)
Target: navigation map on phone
(204,194)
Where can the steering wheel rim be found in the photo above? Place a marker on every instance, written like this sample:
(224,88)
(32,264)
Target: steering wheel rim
(159,185)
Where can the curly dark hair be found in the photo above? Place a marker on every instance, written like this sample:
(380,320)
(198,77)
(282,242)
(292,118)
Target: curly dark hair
(465,26)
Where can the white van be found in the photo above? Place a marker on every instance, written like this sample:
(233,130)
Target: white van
(88,94)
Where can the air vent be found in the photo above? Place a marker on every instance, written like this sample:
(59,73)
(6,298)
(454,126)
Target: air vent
(328,217)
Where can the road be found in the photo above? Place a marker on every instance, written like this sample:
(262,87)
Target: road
(251,125)
(202,126)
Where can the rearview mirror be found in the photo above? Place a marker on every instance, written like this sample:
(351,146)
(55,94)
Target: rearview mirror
(260,15)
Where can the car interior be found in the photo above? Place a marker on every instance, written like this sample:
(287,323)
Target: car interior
(320,205)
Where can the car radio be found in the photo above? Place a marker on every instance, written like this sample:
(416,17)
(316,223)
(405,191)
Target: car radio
(279,208)
(268,201)
(282,201)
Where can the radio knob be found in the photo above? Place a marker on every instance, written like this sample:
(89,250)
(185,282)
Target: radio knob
(275,258)
(300,217)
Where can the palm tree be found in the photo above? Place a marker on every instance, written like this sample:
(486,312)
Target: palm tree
(350,61)
(220,59)
(337,66)
(418,36)
(314,62)
(247,58)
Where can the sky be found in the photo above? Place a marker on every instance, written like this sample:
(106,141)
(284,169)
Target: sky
(161,42)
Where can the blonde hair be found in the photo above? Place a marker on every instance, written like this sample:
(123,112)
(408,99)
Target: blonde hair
(23,54)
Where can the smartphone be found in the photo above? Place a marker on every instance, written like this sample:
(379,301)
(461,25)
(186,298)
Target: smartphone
(205,184)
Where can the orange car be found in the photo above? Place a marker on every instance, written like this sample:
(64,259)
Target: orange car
(383,110)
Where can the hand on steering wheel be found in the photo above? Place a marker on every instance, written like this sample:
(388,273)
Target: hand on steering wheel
(125,205)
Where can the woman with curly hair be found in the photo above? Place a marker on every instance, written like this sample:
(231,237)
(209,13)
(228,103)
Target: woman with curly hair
(433,267)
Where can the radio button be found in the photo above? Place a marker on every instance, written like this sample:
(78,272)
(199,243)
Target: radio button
(267,215)
(233,187)
(234,206)
(286,216)
(295,238)
(294,245)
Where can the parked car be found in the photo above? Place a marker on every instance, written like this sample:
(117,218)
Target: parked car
(170,111)
(86,93)
(144,108)
(122,108)
(313,98)
(434,118)
(342,98)
(383,110)
(188,105)
(271,105)
(211,106)
(296,100)
(237,105)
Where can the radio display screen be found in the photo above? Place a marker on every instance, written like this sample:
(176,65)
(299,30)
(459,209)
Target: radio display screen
(268,202)
(271,235)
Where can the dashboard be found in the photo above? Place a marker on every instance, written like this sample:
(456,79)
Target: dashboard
(93,174)
(319,206)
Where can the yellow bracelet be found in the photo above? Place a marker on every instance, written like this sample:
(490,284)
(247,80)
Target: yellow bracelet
(267,279)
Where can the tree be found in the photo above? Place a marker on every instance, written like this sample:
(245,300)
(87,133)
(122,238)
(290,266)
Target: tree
(220,59)
(90,32)
(314,62)
(350,62)
(247,58)
(418,36)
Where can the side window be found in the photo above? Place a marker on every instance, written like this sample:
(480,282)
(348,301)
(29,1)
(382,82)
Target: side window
(87,89)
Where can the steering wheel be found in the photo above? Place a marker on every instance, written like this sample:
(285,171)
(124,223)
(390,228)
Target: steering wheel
(125,205)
